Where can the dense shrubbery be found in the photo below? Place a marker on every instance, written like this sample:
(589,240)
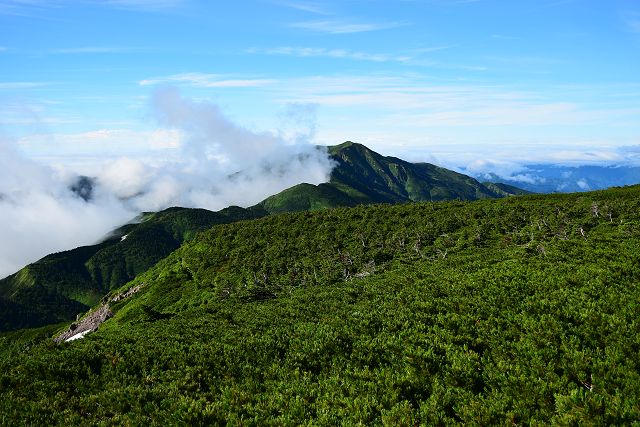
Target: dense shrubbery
(523,310)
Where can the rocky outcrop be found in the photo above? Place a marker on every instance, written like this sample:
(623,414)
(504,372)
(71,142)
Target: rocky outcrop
(94,319)
(88,324)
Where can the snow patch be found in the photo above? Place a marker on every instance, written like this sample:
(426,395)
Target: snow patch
(77,336)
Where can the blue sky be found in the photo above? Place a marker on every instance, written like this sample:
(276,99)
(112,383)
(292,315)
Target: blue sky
(457,82)
(162,100)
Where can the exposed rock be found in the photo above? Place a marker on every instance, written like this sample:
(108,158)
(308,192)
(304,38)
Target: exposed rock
(127,293)
(94,319)
(89,323)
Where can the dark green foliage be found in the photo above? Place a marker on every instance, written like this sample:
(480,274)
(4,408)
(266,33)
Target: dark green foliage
(61,285)
(514,311)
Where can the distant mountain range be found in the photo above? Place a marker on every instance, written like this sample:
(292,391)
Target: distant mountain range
(59,286)
(565,179)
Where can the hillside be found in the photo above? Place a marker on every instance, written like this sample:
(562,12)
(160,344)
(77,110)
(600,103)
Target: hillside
(362,176)
(61,285)
(514,311)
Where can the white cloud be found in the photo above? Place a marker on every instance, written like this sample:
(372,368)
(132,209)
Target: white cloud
(345,27)
(331,53)
(205,80)
(213,150)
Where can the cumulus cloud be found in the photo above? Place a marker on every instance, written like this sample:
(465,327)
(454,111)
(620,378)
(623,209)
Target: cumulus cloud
(40,215)
(219,163)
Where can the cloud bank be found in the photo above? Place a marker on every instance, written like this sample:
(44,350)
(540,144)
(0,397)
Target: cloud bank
(219,163)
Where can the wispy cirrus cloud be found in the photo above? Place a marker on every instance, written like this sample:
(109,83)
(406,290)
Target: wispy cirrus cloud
(36,7)
(450,2)
(379,110)
(146,4)
(25,7)
(24,85)
(331,53)
(205,80)
(345,27)
(91,49)
(415,101)
(305,6)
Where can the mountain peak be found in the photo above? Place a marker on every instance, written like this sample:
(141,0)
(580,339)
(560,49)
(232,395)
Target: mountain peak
(335,149)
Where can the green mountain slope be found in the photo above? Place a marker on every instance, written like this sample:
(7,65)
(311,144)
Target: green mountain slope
(307,197)
(362,176)
(514,311)
(505,189)
(59,286)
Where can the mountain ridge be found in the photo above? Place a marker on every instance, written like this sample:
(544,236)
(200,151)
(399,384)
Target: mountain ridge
(362,176)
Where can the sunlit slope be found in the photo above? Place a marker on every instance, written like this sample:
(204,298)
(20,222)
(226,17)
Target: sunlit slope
(521,310)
